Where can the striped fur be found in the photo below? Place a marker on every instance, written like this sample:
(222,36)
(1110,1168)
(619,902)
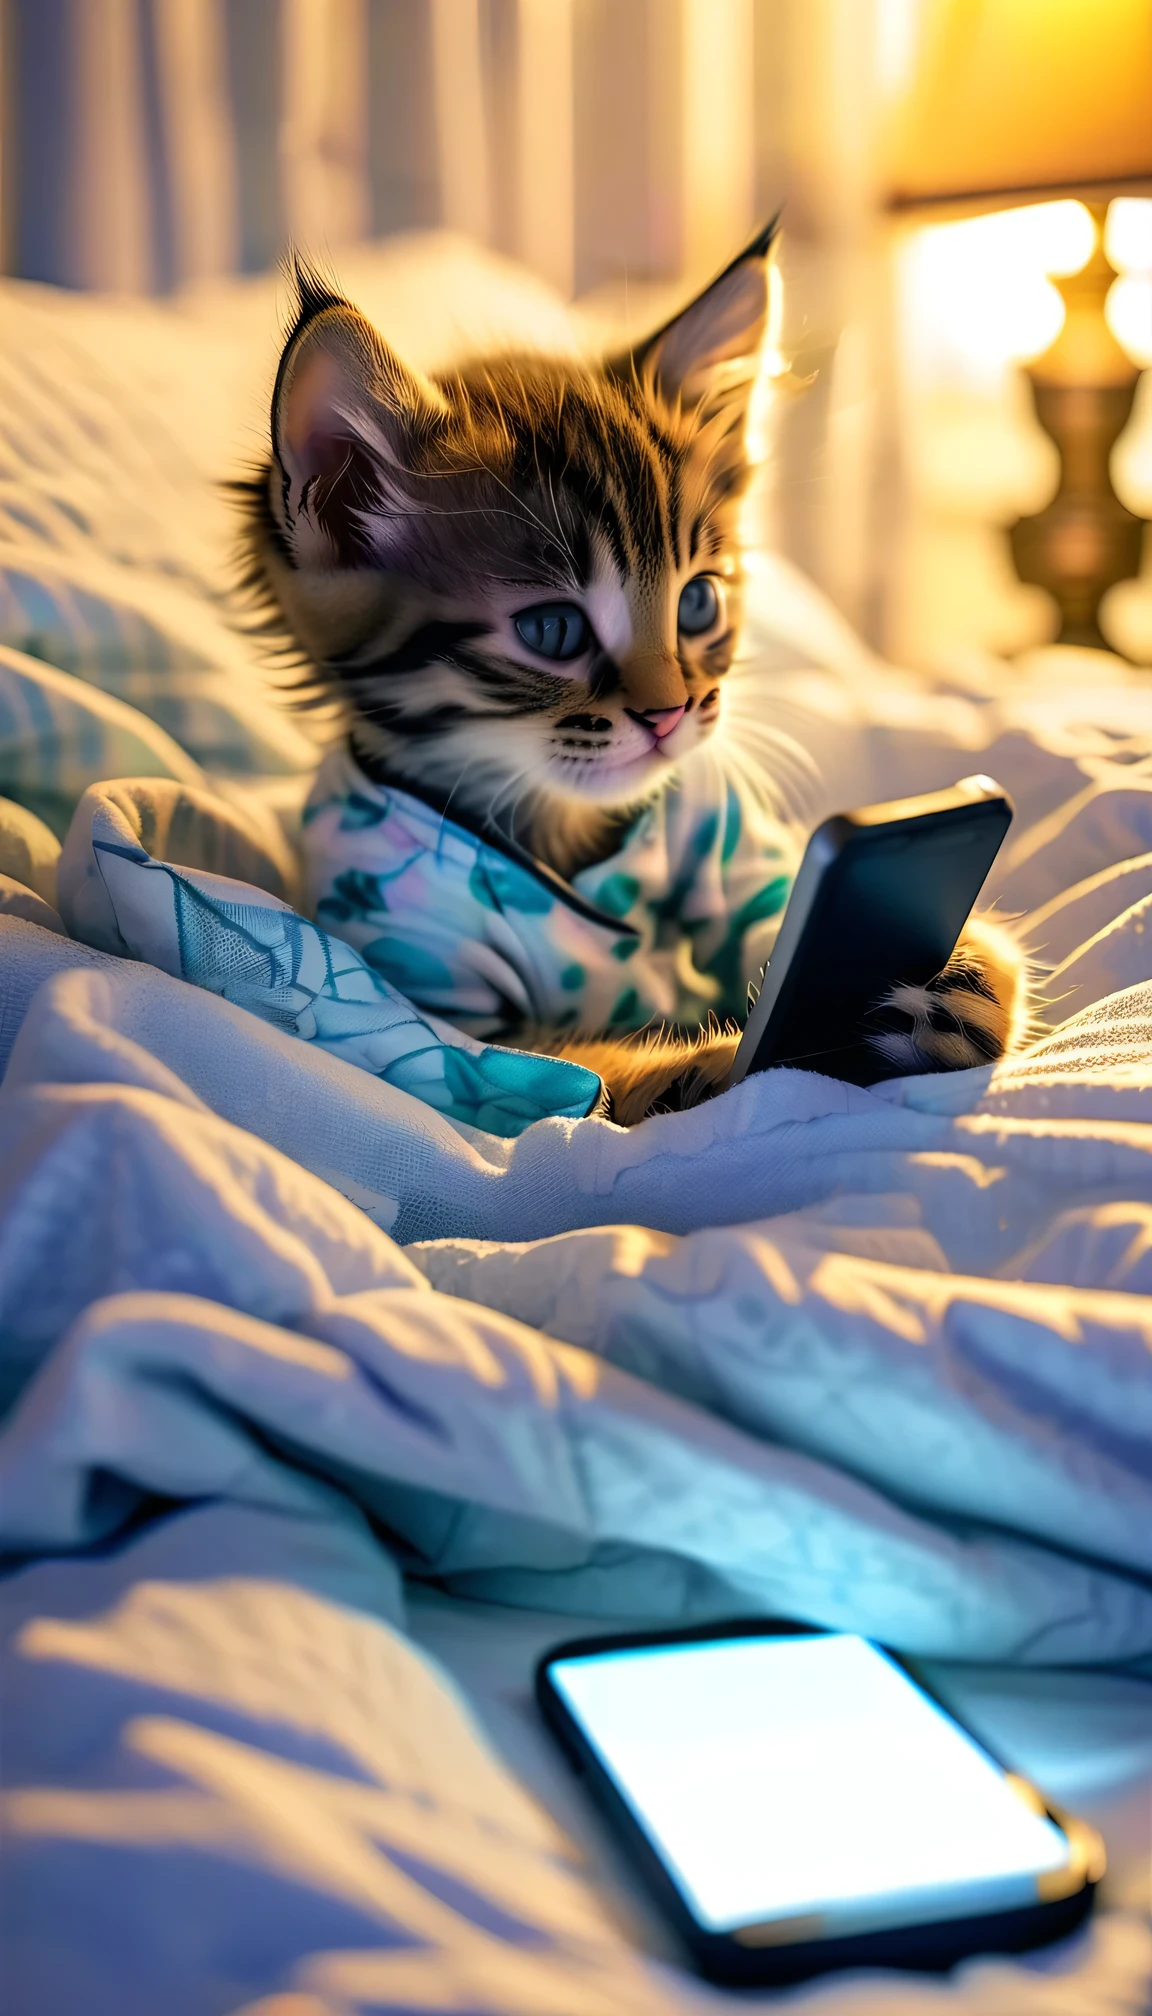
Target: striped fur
(403,524)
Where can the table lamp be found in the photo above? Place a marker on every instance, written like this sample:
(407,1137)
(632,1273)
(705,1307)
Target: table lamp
(1008,102)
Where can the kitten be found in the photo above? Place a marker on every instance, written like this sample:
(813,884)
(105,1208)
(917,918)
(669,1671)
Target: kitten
(521,582)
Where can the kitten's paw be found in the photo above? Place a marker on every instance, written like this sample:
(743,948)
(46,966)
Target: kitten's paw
(974,1012)
(648,1073)
(709,1063)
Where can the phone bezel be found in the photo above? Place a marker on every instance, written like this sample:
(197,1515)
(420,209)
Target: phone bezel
(733,1957)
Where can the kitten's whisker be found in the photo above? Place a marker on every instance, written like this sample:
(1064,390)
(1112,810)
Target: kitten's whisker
(534,517)
(564,539)
(519,778)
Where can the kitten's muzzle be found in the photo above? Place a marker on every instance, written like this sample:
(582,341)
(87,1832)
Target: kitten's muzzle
(661,720)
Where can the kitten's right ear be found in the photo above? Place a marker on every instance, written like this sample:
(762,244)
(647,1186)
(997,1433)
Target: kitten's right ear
(346,417)
(689,359)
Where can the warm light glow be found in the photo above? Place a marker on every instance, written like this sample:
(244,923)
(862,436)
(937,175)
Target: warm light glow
(1019,94)
(717,184)
(1128,234)
(775,362)
(1128,310)
(981,291)
(1060,236)
(898,28)
(773,369)
(1128,243)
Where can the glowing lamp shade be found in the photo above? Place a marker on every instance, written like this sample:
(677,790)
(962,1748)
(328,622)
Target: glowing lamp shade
(1007,97)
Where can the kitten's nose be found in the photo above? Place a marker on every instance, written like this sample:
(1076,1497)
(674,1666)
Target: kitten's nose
(662,720)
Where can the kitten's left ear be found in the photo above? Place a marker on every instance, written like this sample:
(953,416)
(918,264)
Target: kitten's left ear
(723,326)
(347,418)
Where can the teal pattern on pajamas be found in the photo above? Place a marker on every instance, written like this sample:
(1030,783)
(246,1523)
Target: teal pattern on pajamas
(672,927)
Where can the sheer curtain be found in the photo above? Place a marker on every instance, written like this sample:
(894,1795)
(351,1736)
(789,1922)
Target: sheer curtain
(617,146)
(150,142)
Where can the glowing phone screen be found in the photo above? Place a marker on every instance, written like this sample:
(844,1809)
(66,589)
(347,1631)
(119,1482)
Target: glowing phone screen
(806,1779)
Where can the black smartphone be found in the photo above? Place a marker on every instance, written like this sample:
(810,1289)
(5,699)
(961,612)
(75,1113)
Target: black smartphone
(881,898)
(797,1801)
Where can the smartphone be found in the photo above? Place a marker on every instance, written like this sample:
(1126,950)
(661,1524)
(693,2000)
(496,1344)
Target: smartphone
(881,898)
(797,1801)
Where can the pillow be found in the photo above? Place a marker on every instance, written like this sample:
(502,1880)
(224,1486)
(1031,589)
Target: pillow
(29,851)
(57,733)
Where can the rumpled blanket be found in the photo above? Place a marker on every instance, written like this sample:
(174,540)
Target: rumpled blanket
(875,1358)
(880,1358)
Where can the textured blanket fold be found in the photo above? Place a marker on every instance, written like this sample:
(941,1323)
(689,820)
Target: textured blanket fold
(958,1467)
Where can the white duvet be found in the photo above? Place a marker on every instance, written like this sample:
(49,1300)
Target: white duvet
(273,1330)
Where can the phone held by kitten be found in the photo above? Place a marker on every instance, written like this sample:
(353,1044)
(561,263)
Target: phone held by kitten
(875,913)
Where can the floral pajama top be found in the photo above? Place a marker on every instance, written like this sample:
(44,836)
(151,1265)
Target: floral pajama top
(671,927)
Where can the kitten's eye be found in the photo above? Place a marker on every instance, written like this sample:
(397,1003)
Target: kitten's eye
(699,606)
(554,630)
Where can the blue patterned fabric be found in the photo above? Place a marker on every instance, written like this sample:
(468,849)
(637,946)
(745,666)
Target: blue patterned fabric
(236,941)
(672,926)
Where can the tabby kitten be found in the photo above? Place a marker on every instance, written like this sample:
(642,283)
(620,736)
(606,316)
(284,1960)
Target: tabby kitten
(521,581)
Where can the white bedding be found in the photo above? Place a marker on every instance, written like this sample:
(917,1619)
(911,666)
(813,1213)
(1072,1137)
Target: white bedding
(275,1333)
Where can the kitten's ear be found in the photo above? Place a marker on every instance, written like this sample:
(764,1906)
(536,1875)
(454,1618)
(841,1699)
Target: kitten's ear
(346,416)
(723,326)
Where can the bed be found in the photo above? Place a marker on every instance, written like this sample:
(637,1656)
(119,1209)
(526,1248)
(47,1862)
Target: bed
(328,1408)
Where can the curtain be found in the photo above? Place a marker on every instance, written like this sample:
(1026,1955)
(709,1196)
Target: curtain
(609,144)
(147,143)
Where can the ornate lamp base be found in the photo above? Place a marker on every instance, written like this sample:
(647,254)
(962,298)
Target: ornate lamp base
(1084,541)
